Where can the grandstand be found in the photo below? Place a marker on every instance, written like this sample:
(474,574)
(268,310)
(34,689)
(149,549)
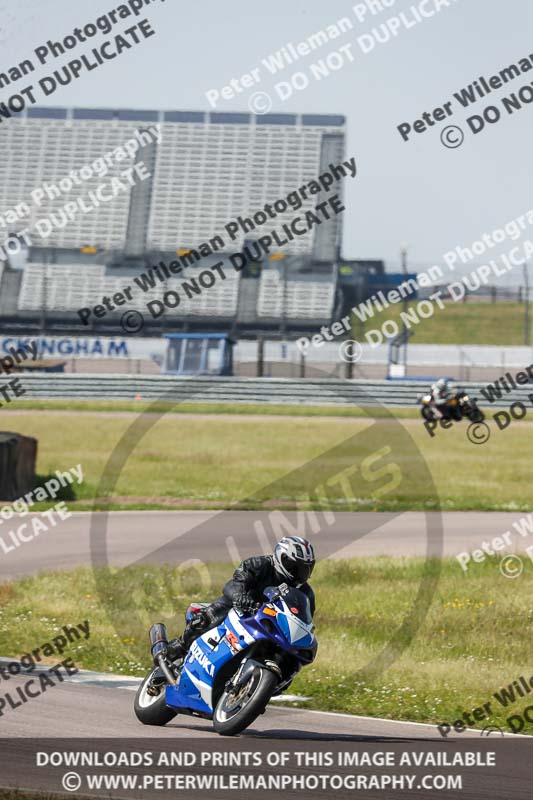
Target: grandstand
(300,298)
(292,294)
(64,288)
(206,169)
(42,148)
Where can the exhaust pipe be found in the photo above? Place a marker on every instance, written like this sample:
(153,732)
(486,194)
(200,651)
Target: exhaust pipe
(158,645)
(158,639)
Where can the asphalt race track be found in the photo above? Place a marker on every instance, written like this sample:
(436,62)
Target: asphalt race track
(94,705)
(93,712)
(100,706)
(161,537)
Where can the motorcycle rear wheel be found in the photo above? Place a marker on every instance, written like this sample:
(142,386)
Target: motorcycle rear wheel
(152,709)
(237,709)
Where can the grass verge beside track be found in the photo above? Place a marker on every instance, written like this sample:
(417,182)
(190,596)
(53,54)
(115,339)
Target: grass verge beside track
(237,409)
(213,461)
(475,639)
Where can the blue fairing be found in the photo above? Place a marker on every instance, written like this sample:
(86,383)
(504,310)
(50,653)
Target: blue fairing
(282,623)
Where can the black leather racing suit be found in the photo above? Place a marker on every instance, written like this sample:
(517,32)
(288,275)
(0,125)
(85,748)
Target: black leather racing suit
(243,590)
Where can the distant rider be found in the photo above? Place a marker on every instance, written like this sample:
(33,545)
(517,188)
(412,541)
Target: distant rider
(441,394)
(292,562)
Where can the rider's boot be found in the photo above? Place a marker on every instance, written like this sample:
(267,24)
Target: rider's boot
(176,648)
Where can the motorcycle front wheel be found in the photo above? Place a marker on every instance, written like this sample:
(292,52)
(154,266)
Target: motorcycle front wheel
(428,413)
(476,415)
(152,709)
(239,707)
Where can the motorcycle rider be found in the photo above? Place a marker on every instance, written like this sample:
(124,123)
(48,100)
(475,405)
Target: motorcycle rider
(441,393)
(292,562)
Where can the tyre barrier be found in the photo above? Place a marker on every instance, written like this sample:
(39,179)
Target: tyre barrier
(18,456)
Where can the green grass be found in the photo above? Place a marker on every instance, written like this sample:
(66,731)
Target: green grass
(475,638)
(136,407)
(458,323)
(237,409)
(246,462)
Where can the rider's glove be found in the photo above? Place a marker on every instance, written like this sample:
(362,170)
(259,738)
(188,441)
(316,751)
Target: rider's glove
(245,601)
(251,609)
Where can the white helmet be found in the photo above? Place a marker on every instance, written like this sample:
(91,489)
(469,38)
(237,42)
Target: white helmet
(294,558)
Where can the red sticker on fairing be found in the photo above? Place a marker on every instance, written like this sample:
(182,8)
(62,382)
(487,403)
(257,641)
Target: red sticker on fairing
(232,641)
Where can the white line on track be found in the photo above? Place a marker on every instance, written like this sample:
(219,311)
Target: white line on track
(130,683)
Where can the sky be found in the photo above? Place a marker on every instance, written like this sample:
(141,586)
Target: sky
(418,193)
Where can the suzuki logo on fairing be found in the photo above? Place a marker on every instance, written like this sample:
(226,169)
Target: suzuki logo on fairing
(198,655)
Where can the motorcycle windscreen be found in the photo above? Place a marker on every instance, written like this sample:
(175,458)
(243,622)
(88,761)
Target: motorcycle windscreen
(299,605)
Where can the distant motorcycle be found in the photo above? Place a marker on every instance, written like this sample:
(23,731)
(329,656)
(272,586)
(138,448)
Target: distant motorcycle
(458,407)
(231,672)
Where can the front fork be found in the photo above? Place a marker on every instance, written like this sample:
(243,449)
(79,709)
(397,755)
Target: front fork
(246,670)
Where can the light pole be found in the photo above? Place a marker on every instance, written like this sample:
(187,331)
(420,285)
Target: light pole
(526,303)
(403,254)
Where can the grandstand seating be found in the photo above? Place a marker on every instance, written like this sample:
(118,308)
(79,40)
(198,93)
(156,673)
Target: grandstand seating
(206,168)
(65,288)
(208,175)
(209,169)
(70,287)
(311,299)
(43,150)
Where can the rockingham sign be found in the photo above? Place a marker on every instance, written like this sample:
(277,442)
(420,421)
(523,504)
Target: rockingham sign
(89,347)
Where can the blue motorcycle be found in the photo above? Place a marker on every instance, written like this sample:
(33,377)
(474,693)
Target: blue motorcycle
(230,672)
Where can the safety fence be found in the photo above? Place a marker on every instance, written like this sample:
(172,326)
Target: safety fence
(318,391)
